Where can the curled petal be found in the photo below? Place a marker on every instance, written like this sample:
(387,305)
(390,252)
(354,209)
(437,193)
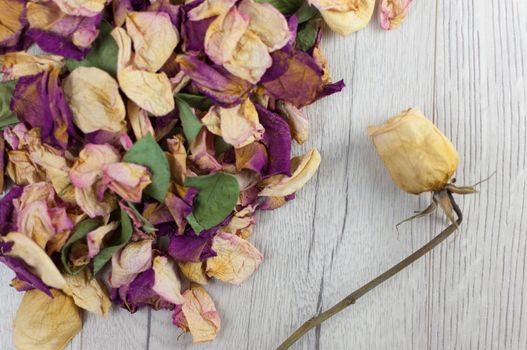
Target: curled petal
(303,168)
(87,200)
(236,259)
(392,13)
(20,64)
(36,259)
(38,101)
(95,238)
(267,23)
(88,167)
(345,16)
(128,262)
(224,34)
(59,33)
(180,208)
(150,91)
(21,169)
(177,158)
(210,8)
(93,96)
(222,87)
(238,126)
(194,271)
(277,139)
(45,323)
(88,293)
(34,222)
(154,38)
(203,153)
(166,282)
(297,120)
(139,121)
(198,315)
(88,8)
(253,157)
(127,180)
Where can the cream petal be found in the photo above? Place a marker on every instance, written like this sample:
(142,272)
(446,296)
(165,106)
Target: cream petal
(154,38)
(303,168)
(94,99)
(235,261)
(166,281)
(130,261)
(200,314)
(88,293)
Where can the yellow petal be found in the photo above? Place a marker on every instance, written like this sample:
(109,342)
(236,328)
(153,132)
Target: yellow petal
(93,96)
(139,121)
(267,23)
(88,293)
(45,323)
(36,259)
(88,8)
(166,281)
(345,16)
(239,125)
(128,262)
(417,155)
(150,91)
(194,271)
(236,259)
(210,8)
(154,38)
(200,313)
(303,168)
(20,64)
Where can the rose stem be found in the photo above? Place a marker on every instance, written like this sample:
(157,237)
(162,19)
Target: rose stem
(353,297)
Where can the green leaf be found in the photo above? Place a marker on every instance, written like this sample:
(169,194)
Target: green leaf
(220,145)
(307,34)
(147,225)
(79,232)
(203,103)
(191,124)
(7,117)
(114,244)
(103,54)
(305,13)
(148,153)
(285,6)
(217,198)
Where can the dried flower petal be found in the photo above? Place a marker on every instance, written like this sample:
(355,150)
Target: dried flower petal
(89,165)
(238,126)
(167,284)
(198,315)
(345,16)
(210,8)
(13,19)
(417,155)
(392,13)
(20,64)
(236,259)
(154,38)
(45,323)
(303,168)
(88,293)
(194,271)
(128,180)
(95,238)
(88,8)
(93,96)
(128,262)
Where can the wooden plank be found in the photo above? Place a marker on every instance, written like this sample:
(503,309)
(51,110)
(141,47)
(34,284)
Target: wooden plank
(478,279)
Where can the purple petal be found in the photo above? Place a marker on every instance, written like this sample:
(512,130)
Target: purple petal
(20,269)
(39,102)
(57,33)
(191,247)
(7,222)
(277,138)
(193,32)
(215,82)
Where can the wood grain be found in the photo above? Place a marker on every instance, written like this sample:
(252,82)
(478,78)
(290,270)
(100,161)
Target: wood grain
(464,63)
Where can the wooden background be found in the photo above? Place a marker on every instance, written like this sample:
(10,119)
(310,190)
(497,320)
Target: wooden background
(464,62)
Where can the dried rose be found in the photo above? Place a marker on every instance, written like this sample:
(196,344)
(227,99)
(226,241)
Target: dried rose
(345,16)
(45,323)
(417,155)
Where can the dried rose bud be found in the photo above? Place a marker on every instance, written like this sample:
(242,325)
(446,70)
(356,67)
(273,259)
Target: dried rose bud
(417,155)
(345,16)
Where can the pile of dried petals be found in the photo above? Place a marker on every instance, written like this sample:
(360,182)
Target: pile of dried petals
(143,142)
